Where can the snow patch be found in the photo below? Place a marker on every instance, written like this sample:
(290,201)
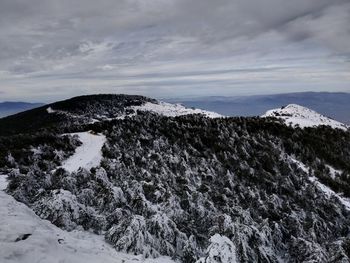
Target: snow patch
(3,182)
(299,116)
(334,172)
(50,110)
(88,154)
(173,110)
(24,237)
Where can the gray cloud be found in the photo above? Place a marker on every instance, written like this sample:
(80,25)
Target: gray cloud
(108,45)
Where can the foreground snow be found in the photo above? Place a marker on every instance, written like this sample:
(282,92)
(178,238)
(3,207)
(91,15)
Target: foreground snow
(173,110)
(24,237)
(296,115)
(88,154)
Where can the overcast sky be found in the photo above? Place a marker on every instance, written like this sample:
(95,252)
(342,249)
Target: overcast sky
(54,49)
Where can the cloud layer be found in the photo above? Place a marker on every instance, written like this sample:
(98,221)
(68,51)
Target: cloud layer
(54,49)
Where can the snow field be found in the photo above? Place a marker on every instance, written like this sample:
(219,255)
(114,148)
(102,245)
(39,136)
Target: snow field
(88,154)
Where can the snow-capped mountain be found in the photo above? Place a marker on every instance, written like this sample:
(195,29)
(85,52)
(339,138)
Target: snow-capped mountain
(299,116)
(157,182)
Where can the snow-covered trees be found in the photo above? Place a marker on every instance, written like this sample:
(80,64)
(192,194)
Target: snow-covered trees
(220,250)
(198,189)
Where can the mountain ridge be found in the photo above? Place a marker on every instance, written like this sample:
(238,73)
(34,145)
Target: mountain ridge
(88,109)
(13,107)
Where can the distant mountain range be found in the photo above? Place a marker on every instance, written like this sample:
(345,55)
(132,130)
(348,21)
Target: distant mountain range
(12,107)
(332,104)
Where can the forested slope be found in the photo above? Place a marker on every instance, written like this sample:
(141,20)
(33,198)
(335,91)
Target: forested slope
(190,187)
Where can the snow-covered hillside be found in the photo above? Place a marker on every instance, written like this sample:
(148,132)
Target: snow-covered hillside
(195,189)
(161,108)
(88,154)
(325,189)
(296,115)
(173,110)
(25,237)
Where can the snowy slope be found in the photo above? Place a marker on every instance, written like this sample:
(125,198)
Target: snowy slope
(329,192)
(88,154)
(325,189)
(173,110)
(24,237)
(296,115)
(158,107)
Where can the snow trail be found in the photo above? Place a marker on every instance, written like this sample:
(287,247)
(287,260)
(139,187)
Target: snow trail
(88,154)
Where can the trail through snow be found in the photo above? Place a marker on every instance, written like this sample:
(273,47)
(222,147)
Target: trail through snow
(24,237)
(88,154)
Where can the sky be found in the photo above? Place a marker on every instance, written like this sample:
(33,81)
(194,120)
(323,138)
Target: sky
(51,49)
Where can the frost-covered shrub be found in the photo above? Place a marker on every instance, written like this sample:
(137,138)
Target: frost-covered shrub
(220,250)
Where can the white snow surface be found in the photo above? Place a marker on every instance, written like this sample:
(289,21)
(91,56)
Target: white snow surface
(50,110)
(88,154)
(173,110)
(334,172)
(296,115)
(48,243)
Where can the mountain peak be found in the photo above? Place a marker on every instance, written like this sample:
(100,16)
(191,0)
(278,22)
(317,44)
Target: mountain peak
(298,116)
